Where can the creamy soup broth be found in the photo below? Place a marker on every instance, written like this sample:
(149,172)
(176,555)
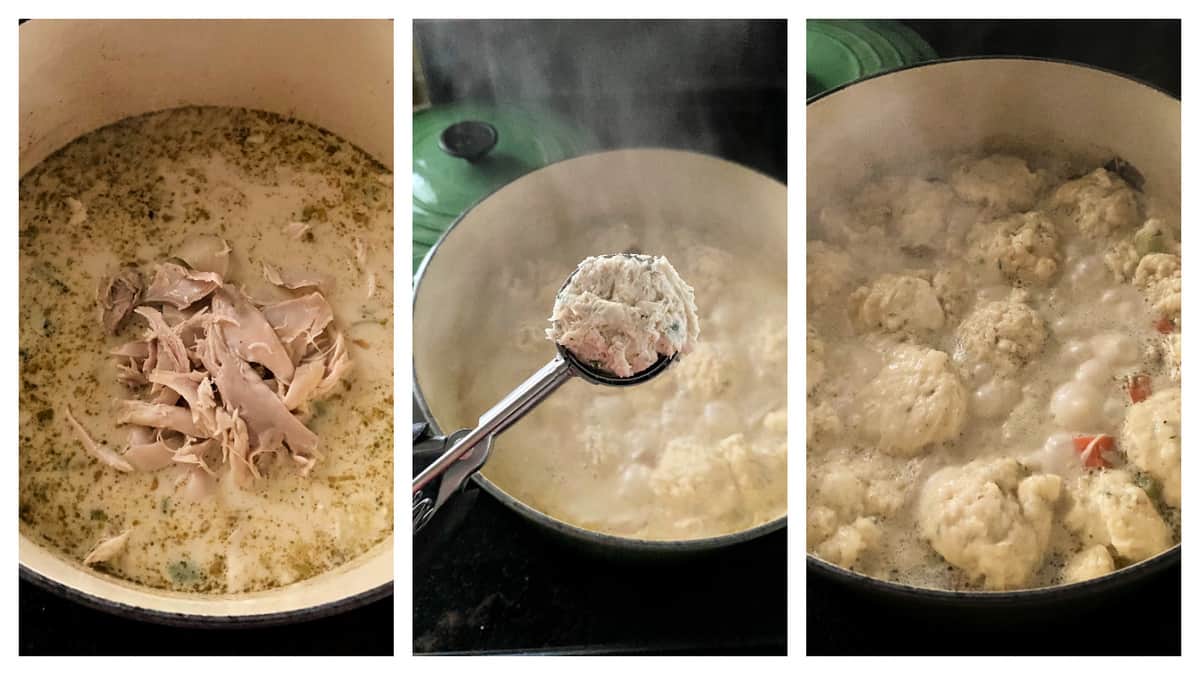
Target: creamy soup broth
(701,450)
(133,193)
(972,323)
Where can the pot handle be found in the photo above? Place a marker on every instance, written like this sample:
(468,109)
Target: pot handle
(430,533)
(470,140)
(428,500)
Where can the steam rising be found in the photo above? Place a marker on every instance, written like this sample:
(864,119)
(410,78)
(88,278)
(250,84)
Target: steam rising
(680,84)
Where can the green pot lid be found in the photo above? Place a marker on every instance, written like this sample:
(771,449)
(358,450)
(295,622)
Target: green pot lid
(841,51)
(463,152)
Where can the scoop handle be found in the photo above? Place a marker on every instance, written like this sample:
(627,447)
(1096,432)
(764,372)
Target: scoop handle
(504,414)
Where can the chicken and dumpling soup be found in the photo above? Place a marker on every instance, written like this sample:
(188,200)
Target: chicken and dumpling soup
(206,350)
(993,373)
(698,451)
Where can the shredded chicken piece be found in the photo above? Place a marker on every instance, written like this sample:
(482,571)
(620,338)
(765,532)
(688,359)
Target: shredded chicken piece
(206,254)
(224,382)
(159,416)
(150,457)
(338,365)
(293,280)
(308,377)
(299,322)
(248,333)
(108,549)
(172,355)
(370,285)
(179,286)
(117,296)
(296,230)
(100,452)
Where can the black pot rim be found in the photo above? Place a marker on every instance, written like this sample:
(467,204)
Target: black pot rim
(185,620)
(989,57)
(528,512)
(1150,566)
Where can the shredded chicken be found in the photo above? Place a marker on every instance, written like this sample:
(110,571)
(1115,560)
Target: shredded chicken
(100,452)
(179,286)
(118,295)
(220,382)
(108,549)
(296,230)
(293,280)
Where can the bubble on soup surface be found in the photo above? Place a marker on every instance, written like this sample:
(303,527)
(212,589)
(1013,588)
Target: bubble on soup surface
(1116,348)
(1094,372)
(996,398)
(981,371)
(721,418)
(1076,351)
(634,484)
(1076,405)
(1063,325)
(1057,454)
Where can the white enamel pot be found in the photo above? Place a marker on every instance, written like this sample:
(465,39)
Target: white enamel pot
(964,104)
(77,76)
(542,216)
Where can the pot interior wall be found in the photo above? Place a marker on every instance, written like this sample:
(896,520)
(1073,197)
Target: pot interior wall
(958,105)
(77,76)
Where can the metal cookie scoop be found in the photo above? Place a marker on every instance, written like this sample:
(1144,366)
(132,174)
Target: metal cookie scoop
(468,449)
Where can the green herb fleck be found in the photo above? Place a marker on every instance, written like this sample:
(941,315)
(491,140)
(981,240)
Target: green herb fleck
(184,572)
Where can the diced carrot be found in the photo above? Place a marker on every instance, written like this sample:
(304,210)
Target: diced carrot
(1139,387)
(1091,450)
(1164,325)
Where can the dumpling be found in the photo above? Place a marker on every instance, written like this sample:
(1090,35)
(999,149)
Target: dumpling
(848,496)
(830,271)
(1160,279)
(757,469)
(1108,508)
(1004,334)
(705,371)
(915,400)
(897,303)
(824,424)
(1151,440)
(1099,204)
(1023,247)
(1089,563)
(989,520)
(694,478)
(1001,183)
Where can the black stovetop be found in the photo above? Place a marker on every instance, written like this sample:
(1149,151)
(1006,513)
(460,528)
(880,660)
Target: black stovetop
(499,584)
(51,625)
(844,622)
